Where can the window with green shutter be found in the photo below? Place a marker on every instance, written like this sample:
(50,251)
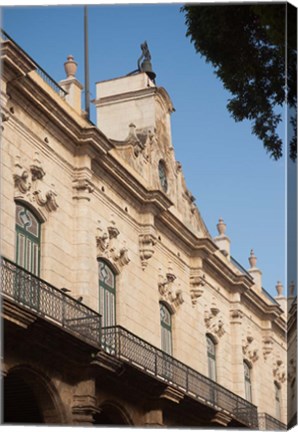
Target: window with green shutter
(166,329)
(26,286)
(107,294)
(27,240)
(211,353)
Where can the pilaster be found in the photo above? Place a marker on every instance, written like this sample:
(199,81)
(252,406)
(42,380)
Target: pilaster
(83,240)
(84,403)
(236,316)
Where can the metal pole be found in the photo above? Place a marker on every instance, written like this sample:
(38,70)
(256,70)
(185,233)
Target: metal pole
(87,97)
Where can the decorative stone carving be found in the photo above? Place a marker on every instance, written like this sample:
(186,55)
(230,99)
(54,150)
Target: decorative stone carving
(82,189)
(47,200)
(168,290)
(221,227)
(197,284)
(146,243)
(30,186)
(236,316)
(214,321)
(134,140)
(249,347)
(252,259)
(292,369)
(21,177)
(279,289)
(279,371)
(70,67)
(267,346)
(37,172)
(108,245)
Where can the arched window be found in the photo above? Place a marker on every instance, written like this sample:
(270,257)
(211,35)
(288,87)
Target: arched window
(107,294)
(166,329)
(211,358)
(277,401)
(27,240)
(247,381)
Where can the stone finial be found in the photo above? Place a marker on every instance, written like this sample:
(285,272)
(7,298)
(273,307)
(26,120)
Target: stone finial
(221,227)
(252,259)
(292,288)
(279,288)
(70,67)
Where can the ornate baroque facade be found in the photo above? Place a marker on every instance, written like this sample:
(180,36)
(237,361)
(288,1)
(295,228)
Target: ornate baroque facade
(118,306)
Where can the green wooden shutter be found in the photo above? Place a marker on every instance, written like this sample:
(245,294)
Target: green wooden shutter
(107,294)
(27,240)
(211,358)
(166,329)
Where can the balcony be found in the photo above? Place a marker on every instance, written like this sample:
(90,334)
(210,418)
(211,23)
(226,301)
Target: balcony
(49,303)
(266,422)
(127,347)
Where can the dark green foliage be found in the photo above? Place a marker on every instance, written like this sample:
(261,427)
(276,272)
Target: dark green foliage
(256,60)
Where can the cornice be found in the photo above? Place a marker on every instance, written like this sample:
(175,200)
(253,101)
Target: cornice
(80,132)
(131,95)
(271,312)
(16,60)
(133,187)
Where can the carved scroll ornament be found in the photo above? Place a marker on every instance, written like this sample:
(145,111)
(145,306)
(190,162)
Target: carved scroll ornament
(30,186)
(109,246)
(168,290)
(213,321)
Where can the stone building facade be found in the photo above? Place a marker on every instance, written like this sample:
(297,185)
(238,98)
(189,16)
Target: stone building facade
(118,306)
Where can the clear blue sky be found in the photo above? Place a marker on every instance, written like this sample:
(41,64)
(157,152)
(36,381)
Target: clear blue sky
(225,166)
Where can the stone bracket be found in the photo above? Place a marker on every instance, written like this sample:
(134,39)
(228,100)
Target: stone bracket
(221,418)
(108,362)
(172,394)
(17,315)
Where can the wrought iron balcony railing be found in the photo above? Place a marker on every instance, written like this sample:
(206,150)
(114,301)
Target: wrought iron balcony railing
(41,72)
(49,302)
(267,422)
(124,345)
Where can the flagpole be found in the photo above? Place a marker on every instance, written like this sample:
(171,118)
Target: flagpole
(86,55)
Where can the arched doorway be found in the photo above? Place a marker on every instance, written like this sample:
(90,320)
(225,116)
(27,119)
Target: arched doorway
(111,414)
(28,399)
